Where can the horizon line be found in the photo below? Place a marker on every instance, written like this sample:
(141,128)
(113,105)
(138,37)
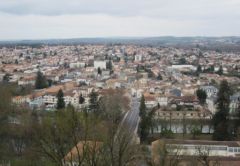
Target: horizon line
(118,37)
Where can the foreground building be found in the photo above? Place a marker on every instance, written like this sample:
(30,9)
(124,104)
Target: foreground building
(196,152)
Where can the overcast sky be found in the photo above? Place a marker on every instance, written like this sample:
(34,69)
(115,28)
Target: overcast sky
(44,19)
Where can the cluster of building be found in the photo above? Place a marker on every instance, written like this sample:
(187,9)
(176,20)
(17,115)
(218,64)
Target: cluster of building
(164,75)
(167,77)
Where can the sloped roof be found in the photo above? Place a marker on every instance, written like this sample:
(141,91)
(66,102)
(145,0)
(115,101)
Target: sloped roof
(82,147)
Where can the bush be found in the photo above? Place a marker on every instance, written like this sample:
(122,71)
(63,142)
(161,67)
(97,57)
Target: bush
(167,133)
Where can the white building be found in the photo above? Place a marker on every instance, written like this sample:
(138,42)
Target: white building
(183,67)
(210,90)
(211,104)
(138,58)
(100,64)
(162,100)
(234,103)
(197,147)
(77,65)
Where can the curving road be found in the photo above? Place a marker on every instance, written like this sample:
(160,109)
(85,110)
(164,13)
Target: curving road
(131,119)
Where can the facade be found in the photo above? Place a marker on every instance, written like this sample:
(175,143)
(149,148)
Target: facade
(194,147)
(234,103)
(36,102)
(162,100)
(100,64)
(211,104)
(77,65)
(138,58)
(179,115)
(224,153)
(210,90)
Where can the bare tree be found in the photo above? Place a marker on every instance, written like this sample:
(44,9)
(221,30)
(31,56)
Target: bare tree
(203,155)
(166,154)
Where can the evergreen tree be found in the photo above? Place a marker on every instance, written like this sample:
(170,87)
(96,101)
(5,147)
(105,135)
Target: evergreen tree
(109,65)
(202,96)
(142,109)
(159,77)
(182,61)
(199,69)
(93,102)
(60,100)
(212,68)
(237,122)
(41,81)
(138,68)
(6,78)
(143,129)
(145,122)
(99,71)
(220,71)
(220,119)
(81,99)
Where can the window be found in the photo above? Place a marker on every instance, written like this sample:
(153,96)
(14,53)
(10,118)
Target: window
(220,148)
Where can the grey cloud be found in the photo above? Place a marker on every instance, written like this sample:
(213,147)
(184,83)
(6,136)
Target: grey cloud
(172,9)
(29,19)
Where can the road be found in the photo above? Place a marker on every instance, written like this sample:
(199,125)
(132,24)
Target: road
(131,119)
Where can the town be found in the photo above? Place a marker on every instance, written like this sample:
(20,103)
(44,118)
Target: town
(163,95)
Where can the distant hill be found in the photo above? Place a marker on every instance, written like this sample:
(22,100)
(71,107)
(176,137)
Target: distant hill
(233,43)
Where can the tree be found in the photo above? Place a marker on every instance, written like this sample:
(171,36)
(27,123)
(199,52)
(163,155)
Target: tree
(81,99)
(6,77)
(60,100)
(220,71)
(5,103)
(109,65)
(203,156)
(143,126)
(237,123)
(44,55)
(142,108)
(182,61)
(112,105)
(41,81)
(159,77)
(195,131)
(99,71)
(49,138)
(199,69)
(166,154)
(202,96)
(146,120)
(54,136)
(119,149)
(220,119)
(212,68)
(93,102)
(150,120)
(50,82)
